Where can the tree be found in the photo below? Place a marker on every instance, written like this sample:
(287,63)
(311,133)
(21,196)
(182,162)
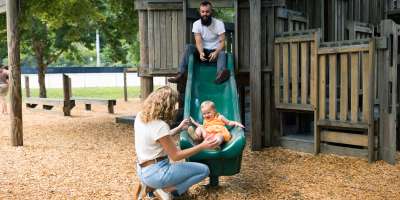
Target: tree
(48,28)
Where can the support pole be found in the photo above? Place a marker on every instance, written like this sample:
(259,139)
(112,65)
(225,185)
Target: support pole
(125,86)
(15,76)
(255,74)
(27,88)
(146,82)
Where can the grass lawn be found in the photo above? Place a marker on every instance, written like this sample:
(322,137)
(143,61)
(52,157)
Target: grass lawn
(93,92)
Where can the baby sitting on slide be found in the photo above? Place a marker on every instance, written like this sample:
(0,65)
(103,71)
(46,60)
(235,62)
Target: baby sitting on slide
(213,125)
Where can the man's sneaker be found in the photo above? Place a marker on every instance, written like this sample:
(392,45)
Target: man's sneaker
(178,78)
(222,76)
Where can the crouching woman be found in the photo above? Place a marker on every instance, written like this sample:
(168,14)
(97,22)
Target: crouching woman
(155,146)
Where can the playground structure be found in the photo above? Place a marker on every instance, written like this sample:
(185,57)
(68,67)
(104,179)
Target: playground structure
(68,102)
(322,74)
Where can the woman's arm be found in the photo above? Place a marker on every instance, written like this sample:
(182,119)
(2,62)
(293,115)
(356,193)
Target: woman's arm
(182,126)
(176,154)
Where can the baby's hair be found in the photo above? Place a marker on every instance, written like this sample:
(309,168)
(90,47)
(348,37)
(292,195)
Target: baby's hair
(208,103)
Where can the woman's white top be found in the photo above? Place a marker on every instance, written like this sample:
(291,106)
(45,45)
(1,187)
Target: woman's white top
(146,136)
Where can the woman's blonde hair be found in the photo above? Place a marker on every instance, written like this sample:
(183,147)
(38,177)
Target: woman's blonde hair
(160,105)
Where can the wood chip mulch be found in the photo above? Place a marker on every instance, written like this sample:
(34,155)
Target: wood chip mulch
(89,156)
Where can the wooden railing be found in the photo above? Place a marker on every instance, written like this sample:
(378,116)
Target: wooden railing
(295,70)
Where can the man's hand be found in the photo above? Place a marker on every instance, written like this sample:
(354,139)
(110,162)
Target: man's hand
(214,55)
(202,56)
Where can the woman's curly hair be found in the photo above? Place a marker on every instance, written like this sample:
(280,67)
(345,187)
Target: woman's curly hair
(160,105)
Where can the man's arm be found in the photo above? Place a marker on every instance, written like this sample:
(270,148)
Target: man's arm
(199,45)
(221,46)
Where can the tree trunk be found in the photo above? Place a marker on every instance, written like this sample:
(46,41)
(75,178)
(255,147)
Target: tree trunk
(38,48)
(41,77)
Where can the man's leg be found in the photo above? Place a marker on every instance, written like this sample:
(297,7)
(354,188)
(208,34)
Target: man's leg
(222,72)
(189,49)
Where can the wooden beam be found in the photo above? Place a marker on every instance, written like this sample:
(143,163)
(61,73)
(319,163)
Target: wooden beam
(125,87)
(15,78)
(146,83)
(216,4)
(67,95)
(27,89)
(255,73)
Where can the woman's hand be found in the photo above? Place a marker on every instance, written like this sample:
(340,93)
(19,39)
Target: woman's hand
(184,124)
(209,143)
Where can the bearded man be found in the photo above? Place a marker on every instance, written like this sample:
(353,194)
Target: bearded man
(209,34)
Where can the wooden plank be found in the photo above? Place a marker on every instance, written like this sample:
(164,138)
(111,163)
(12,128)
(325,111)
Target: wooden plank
(343,125)
(354,87)
(343,49)
(174,39)
(322,86)
(344,85)
(150,37)
(297,144)
(297,107)
(169,36)
(314,71)
(294,69)
(332,86)
(301,38)
(270,34)
(344,138)
(285,57)
(255,72)
(157,40)
(304,72)
(277,78)
(332,149)
(366,70)
(216,4)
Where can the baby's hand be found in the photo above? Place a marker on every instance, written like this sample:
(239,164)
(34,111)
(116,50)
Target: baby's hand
(239,124)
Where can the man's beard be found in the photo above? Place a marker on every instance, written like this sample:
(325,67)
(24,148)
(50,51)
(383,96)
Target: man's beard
(206,20)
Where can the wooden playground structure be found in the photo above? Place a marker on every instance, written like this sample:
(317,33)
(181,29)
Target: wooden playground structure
(322,74)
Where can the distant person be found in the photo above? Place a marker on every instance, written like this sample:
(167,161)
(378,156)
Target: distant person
(213,125)
(155,146)
(4,85)
(209,34)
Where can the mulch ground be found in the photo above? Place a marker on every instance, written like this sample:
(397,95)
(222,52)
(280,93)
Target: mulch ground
(89,156)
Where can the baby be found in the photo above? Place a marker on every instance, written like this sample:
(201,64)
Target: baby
(213,124)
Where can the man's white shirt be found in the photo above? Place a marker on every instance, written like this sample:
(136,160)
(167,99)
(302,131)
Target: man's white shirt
(209,34)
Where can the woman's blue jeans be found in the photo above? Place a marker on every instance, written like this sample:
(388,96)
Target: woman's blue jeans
(181,175)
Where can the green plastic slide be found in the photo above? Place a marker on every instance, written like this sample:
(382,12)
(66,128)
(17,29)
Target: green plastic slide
(200,86)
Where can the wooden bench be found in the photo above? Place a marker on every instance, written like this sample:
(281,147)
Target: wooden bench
(49,103)
(89,101)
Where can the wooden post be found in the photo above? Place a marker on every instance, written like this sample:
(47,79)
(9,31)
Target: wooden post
(67,95)
(27,89)
(15,78)
(146,83)
(255,73)
(125,87)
